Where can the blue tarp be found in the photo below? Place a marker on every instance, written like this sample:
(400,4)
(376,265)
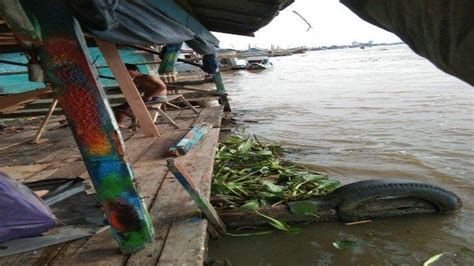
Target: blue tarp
(23,214)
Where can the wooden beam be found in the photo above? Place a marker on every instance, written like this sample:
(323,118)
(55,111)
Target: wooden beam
(129,90)
(40,131)
(185,180)
(65,58)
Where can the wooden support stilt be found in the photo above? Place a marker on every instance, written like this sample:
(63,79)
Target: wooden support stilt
(167,69)
(185,180)
(40,131)
(221,90)
(64,57)
(129,90)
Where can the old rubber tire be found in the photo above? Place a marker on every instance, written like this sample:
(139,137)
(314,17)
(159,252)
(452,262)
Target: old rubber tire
(410,197)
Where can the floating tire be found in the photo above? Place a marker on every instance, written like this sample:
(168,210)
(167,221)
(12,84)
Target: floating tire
(386,198)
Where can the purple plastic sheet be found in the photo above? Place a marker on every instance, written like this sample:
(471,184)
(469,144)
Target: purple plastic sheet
(22,213)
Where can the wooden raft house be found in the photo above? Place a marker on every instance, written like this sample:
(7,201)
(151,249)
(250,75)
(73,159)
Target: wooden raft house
(152,219)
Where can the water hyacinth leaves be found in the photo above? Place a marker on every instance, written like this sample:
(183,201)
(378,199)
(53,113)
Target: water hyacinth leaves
(251,205)
(247,169)
(304,208)
(270,187)
(246,146)
(250,174)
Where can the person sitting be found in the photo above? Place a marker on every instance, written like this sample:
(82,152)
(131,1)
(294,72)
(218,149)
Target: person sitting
(153,88)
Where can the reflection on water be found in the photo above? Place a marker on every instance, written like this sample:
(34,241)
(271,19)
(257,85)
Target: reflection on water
(360,114)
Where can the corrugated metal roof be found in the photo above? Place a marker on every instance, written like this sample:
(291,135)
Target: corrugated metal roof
(241,17)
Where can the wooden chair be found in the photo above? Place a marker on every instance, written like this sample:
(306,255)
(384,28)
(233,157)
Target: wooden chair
(159,109)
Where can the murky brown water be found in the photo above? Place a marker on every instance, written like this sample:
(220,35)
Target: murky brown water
(357,114)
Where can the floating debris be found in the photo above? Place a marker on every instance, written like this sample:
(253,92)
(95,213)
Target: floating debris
(344,244)
(433,259)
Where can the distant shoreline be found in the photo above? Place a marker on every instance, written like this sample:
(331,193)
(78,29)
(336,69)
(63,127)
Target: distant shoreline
(353,45)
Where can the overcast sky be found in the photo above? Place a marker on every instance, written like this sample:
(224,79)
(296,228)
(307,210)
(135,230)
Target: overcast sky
(332,22)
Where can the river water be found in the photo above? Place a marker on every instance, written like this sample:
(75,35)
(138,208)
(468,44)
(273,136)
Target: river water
(380,112)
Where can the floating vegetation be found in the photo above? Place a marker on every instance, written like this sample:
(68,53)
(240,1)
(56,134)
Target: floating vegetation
(250,174)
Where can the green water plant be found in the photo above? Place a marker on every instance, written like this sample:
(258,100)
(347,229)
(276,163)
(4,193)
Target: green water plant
(250,174)
(249,171)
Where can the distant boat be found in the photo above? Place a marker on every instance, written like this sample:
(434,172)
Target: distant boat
(232,64)
(258,63)
(280,52)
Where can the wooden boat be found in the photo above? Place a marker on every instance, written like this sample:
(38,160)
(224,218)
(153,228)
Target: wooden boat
(232,64)
(258,63)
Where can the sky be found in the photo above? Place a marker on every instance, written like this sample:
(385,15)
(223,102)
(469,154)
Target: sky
(333,23)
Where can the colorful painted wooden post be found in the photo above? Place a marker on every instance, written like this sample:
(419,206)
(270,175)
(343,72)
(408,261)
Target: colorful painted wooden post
(166,69)
(63,53)
(221,90)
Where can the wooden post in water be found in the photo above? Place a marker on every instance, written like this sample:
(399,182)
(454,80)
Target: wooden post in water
(61,47)
(221,90)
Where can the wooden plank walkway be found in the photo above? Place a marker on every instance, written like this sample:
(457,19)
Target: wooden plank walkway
(181,232)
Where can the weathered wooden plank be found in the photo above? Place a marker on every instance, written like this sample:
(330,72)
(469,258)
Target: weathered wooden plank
(189,236)
(39,257)
(128,88)
(163,209)
(159,150)
(28,153)
(186,182)
(137,145)
(193,251)
(211,115)
(23,171)
(12,140)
